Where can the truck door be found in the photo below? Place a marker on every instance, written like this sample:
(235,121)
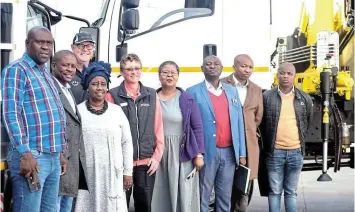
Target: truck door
(6,23)
(36,16)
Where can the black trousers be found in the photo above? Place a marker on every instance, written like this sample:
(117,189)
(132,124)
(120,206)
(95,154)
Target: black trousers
(143,186)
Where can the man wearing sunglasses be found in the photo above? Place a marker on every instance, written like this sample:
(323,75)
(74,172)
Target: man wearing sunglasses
(83,48)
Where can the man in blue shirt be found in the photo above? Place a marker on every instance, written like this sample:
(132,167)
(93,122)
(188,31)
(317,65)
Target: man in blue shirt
(35,121)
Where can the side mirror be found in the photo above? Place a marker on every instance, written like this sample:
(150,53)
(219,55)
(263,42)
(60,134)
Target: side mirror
(129,4)
(120,51)
(128,24)
(209,49)
(130,20)
(95,34)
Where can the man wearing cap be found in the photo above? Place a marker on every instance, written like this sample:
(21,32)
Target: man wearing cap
(83,48)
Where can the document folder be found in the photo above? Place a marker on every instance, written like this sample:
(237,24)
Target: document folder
(241,179)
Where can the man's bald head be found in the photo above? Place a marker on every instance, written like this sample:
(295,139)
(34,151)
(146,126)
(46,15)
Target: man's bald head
(60,54)
(286,74)
(210,58)
(286,66)
(241,57)
(39,45)
(243,68)
(32,32)
(64,66)
(212,66)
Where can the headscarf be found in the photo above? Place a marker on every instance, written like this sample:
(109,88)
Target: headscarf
(93,70)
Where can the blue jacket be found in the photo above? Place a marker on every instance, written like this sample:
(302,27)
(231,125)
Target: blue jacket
(200,93)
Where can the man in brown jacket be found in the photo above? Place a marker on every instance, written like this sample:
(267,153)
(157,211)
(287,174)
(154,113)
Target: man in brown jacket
(251,98)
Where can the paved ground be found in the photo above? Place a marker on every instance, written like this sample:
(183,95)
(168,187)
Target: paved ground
(314,196)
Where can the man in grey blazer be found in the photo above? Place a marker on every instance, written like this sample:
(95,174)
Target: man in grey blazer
(63,70)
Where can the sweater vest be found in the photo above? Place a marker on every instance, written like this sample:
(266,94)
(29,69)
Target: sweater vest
(223,125)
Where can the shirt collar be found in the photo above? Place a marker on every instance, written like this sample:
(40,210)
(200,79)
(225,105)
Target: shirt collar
(135,94)
(66,86)
(30,61)
(209,86)
(238,84)
(287,94)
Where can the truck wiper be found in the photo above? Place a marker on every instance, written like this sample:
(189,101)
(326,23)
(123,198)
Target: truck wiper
(97,22)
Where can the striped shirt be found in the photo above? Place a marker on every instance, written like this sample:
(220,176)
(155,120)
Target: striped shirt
(32,112)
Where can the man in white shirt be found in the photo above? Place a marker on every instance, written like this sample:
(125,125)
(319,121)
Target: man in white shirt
(250,96)
(242,88)
(223,129)
(215,91)
(63,71)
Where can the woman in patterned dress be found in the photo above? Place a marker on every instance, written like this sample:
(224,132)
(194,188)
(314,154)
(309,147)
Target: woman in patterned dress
(108,146)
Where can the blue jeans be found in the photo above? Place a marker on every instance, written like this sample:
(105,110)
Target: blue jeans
(49,174)
(284,169)
(65,203)
(220,173)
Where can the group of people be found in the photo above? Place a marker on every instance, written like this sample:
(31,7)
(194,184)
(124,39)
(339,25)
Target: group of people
(91,146)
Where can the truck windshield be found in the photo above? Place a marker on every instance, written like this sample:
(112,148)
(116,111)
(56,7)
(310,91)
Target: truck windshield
(157,13)
(100,20)
(35,18)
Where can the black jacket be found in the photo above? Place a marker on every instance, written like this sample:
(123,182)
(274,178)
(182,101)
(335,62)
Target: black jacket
(77,89)
(141,116)
(303,105)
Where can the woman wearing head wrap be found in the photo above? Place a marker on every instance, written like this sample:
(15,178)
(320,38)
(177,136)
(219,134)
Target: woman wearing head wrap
(108,145)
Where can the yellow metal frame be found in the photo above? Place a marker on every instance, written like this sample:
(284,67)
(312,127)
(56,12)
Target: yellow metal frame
(309,81)
(3,165)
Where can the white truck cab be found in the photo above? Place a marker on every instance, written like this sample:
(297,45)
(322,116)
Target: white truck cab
(180,30)
(185,31)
